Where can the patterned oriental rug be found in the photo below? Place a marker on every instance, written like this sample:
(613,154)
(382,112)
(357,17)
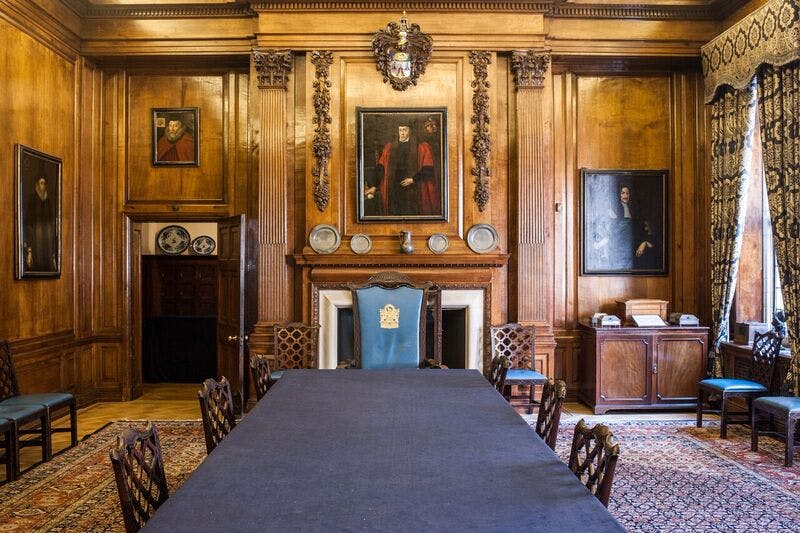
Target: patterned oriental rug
(670,477)
(75,491)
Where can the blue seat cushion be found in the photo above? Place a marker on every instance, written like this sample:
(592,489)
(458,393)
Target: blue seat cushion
(520,374)
(732,385)
(276,374)
(48,399)
(22,412)
(787,404)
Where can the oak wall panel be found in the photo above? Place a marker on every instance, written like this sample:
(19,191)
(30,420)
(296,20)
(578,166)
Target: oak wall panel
(44,120)
(203,183)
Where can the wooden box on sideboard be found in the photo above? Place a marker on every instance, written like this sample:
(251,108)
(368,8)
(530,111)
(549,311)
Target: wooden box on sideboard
(641,306)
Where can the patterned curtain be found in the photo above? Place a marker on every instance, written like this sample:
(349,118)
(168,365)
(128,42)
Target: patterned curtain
(732,123)
(779,118)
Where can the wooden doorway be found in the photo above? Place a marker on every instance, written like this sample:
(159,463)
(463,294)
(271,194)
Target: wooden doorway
(230,337)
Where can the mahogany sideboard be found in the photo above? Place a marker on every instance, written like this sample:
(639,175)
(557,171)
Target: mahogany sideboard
(641,368)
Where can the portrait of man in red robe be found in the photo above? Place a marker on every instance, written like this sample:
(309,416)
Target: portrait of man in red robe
(405,180)
(176,143)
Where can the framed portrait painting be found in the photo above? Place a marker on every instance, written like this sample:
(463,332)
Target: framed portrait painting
(176,134)
(37,214)
(624,222)
(401,171)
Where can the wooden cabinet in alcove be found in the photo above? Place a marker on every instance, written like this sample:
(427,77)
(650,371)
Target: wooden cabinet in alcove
(179,331)
(641,368)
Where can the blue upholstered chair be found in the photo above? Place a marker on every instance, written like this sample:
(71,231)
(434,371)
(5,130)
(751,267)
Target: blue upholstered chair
(786,409)
(517,343)
(389,317)
(49,402)
(765,351)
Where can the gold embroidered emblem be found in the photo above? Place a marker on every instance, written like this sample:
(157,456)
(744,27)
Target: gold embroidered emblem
(390,317)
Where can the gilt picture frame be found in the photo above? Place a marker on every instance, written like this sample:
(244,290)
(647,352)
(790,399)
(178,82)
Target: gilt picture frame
(176,136)
(37,214)
(624,222)
(401,168)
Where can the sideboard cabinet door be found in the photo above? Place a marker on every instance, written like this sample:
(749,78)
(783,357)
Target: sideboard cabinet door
(679,365)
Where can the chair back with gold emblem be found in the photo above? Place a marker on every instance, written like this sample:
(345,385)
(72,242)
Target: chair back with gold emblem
(389,316)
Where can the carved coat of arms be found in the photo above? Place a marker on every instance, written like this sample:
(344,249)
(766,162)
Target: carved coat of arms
(402,52)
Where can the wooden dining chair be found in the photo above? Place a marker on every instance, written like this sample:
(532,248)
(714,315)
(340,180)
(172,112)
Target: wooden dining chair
(766,348)
(139,473)
(593,458)
(50,402)
(389,323)
(8,431)
(497,375)
(216,407)
(296,346)
(517,343)
(259,369)
(549,416)
(783,408)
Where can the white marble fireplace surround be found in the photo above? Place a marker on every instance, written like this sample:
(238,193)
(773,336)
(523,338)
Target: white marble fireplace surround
(331,300)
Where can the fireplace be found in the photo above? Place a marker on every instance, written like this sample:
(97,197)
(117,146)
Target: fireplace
(462,327)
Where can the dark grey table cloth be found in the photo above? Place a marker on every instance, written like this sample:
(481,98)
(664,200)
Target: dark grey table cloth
(395,450)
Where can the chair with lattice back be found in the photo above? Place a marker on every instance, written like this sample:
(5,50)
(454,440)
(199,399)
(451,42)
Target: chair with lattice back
(517,342)
(766,348)
(593,458)
(216,407)
(498,372)
(262,378)
(8,430)
(295,347)
(139,473)
(549,417)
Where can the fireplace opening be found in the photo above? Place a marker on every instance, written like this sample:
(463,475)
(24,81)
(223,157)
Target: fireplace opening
(454,323)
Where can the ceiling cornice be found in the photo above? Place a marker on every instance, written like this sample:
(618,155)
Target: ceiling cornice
(711,10)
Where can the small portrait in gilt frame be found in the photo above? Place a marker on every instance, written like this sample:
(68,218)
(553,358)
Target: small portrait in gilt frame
(176,133)
(624,222)
(401,172)
(38,214)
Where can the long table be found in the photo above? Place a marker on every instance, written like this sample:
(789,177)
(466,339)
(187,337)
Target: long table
(396,450)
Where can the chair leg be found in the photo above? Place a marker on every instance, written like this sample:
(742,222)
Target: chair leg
(790,424)
(73,423)
(723,422)
(753,431)
(700,400)
(47,441)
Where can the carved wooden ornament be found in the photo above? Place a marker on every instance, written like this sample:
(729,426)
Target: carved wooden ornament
(401,52)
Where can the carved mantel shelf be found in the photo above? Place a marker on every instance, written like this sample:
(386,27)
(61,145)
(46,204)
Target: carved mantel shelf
(401,261)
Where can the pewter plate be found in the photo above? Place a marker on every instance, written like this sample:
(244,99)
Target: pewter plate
(482,238)
(324,239)
(438,243)
(360,243)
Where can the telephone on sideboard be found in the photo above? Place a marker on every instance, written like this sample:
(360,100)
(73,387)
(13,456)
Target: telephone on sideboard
(603,320)
(681,319)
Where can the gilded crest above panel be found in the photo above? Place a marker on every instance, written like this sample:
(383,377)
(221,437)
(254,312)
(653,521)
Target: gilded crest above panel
(402,51)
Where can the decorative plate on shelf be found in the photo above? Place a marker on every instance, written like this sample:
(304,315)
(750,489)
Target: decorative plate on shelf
(173,240)
(482,238)
(361,243)
(438,243)
(203,245)
(324,239)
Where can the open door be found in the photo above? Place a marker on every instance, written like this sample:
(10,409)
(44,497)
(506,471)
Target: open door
(230,306)
(132,331)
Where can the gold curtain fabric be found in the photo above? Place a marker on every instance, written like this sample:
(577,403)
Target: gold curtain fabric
(771,34)
(732,123)
(779,119)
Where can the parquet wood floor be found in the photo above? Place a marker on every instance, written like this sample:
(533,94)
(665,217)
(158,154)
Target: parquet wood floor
(163,401)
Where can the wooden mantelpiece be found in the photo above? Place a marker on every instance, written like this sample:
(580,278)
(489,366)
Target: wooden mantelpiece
(385,261)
